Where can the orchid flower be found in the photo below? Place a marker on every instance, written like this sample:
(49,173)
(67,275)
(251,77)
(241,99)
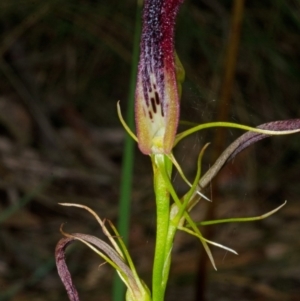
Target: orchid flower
(158,89)
(157,109)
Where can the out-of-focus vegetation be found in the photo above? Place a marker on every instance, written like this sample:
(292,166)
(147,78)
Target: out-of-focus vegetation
(63,66)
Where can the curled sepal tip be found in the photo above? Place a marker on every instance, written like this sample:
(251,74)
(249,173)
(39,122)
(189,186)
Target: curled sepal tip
(156,97)
(116,255)
(136,291)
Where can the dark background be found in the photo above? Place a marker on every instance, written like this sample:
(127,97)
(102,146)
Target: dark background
(63,66)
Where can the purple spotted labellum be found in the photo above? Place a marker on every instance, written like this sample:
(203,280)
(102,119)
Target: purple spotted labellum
(157,100)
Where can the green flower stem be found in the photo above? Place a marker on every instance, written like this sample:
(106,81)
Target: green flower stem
(166,223)
(174,217)
(161,164)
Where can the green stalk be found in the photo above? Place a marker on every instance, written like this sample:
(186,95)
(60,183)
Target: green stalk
(161,165)
(127,164)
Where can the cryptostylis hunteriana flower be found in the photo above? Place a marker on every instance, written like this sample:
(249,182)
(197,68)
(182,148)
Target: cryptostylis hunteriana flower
(157,95)
(157,107)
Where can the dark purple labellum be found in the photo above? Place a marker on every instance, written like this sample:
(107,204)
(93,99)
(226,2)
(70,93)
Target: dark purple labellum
(157,101)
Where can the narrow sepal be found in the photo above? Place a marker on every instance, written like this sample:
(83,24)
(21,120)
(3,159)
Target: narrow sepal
(249,138)
(112,256)
(245,141)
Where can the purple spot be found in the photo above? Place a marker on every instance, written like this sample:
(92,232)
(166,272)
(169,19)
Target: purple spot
(150,115)
(153,105)
(157,98)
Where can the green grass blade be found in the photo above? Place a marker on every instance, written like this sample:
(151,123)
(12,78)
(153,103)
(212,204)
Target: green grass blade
(127,167)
